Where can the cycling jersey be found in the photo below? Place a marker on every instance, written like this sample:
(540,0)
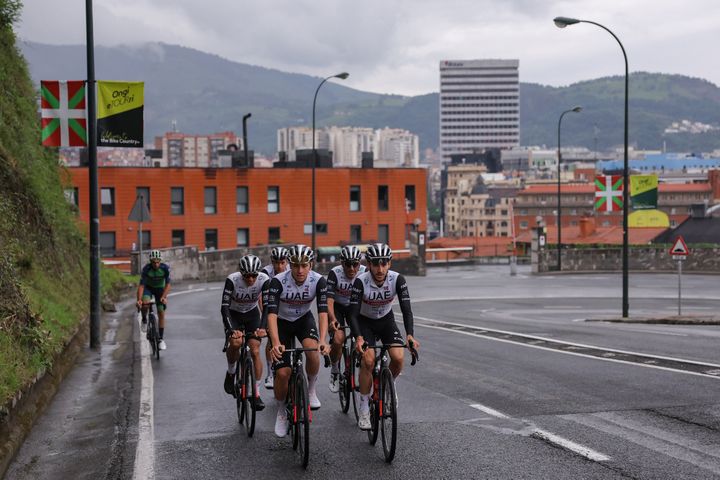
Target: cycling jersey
(374,302)
(155,277)
(270,270)
(290,301)
(240,297)
(339,286)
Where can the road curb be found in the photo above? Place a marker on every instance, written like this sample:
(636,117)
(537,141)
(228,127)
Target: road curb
(670,320)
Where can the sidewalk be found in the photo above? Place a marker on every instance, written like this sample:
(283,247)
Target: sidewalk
(664,320)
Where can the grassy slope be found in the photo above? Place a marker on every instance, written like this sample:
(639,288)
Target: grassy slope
(44,286)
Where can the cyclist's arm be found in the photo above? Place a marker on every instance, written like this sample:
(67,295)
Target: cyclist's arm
(331,284)
(322,308)
(273,302)
(404,298)
(166,270)
(263,304)
(355,301)
(225,304)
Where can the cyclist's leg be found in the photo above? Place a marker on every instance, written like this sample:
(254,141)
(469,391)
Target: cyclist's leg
(286,333)
(307,334)
(161,307)
(390,334)
(252,323)
(233,349)
(368,358)
(146,298)
(338,337)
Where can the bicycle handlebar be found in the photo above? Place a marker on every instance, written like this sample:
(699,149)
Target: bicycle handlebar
(410,346)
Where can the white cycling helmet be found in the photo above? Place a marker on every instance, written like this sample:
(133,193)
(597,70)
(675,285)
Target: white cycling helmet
(249,264)
(300,254)
(155,255)
(350,253)
(278,253)
(378,251)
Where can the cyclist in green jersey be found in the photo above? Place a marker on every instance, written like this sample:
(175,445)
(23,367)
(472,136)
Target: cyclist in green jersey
(154,282)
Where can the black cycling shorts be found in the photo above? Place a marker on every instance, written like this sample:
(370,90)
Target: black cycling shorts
(149,293)
(248,322)
(384,329)
(342,313)
(302,328)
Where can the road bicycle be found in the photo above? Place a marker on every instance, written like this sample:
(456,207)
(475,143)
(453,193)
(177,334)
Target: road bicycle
(297,404)
(346,379)
(383,402)
(152,333)
(245,390)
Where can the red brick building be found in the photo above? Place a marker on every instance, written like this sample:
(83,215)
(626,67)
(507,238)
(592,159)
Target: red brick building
(229,208)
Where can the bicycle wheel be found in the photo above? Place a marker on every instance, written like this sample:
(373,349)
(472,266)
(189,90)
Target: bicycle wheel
(355,382)
(302,425)
(237,385)
(248,396)
(374,412)
(388,415)
(344,392)
(153,335)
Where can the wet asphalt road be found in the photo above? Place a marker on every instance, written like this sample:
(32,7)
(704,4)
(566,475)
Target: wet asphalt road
(472,408)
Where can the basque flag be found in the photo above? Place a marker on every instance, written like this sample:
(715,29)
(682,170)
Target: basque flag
(63,115)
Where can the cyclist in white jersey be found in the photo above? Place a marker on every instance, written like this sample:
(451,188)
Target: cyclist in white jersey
(278,264)
(339,286)
(372,318)
(241,315)
(290,298)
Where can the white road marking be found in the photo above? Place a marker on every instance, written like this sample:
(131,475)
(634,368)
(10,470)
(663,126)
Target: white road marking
(194,290)
(652,331)
(145,450)
(550,437)
(565,352)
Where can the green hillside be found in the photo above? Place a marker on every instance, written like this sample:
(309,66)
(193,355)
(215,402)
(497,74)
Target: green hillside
(205,93)
(44,289)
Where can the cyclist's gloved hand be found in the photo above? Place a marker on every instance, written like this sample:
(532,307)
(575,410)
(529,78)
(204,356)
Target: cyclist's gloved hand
(412,343)
(359,342)
(333,326)
(277,352)
(324,348)
(260,333)
(236,334)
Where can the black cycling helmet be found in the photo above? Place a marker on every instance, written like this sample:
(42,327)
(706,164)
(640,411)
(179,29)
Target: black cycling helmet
(278,253)
(249,264)
(350,253)
(378,251)
(300,254)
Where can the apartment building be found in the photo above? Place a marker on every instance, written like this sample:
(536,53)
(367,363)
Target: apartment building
(291,139)
(228,208)
(189,150)
(539,203)
(479,106)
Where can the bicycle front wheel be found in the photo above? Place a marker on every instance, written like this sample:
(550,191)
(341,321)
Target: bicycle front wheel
(344,392)
(248,396)
(154,335)
(237,386)
(302,423)
(374,413)
(355,382)
(388,415)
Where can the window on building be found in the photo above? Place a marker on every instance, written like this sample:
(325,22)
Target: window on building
(210,200)
(524,224)
(383,198)
(354,198)
(523,211)
(71,195)
(243,237)
(355,234)
(273,198)
(241,200)
(211,239)
(107,244)
(143,192)
(107,201)
(320,228)
(273,234)
(177,201)
(410,197)
(178,238)
(384,233)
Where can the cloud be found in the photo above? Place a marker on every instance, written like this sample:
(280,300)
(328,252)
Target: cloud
(395,45)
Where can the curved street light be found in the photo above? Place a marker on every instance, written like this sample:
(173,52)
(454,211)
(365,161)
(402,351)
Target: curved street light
(563,22)
(341,76)
(559,204)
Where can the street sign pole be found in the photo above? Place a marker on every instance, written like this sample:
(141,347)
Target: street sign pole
(680,262)
(140,213)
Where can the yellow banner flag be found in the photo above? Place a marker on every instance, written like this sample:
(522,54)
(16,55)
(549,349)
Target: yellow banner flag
(120,114)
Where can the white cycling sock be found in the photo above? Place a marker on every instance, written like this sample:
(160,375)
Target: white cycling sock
(258,383)
(231,368)
(364,407)
(312,380)
(335,368)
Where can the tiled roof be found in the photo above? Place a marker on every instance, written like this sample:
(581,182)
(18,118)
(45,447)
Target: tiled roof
(601,235)
(589,188)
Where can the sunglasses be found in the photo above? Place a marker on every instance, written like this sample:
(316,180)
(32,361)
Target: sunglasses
(155,261)
(352,264)
(250,275)
(380,261)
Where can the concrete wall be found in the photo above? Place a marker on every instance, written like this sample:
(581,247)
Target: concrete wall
(646,258)
(187,263)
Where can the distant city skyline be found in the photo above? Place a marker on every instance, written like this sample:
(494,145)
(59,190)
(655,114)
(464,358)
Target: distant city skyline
(395,46)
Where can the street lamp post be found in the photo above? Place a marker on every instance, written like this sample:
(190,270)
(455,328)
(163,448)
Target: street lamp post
(563,22)
(341,76)
(559,208)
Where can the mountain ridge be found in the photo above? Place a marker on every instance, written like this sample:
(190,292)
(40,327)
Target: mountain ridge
(222,91)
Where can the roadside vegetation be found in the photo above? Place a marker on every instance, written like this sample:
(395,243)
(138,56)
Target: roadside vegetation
(44,268)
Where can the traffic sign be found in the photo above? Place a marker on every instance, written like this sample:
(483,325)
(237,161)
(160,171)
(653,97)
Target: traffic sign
(140,212)
(679,248)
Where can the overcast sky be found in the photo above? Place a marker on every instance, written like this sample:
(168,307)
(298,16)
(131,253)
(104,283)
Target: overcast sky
(394,46)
